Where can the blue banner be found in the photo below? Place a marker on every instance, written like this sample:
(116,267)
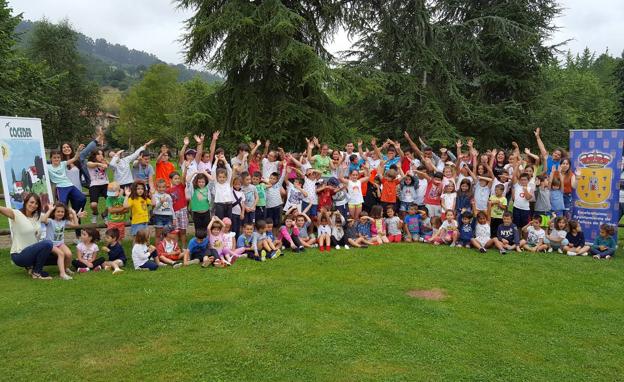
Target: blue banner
(596,156)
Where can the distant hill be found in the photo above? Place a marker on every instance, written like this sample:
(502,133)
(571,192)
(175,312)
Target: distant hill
(115,65)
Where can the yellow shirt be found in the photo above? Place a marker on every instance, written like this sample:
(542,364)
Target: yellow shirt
(497,211)
(139,211)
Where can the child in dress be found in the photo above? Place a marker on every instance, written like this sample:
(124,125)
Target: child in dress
(507,235)
(465,200)
(169,253)
(436,235)
(604,245)
(137,202)
(483,239)
(62,218)
(87,252)
(576,240)
(393,226)
(116,254)
(448,198)
(535,236)
(144,256)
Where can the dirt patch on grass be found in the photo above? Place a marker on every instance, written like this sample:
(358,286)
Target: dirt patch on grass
(428,294)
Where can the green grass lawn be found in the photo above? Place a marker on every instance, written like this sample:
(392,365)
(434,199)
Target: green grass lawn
(343,316)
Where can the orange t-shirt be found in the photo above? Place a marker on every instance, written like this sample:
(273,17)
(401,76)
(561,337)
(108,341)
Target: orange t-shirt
(163,169)
(389,190)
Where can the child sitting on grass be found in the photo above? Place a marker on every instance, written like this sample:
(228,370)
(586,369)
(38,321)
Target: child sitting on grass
(482,240)
(352,236)
(393,225)
(61,218)
(557,234)
(324,233)
(144,256)
(466,230)
(449,226)
(436,237)
(604,245)
(169,252)
(411,224)
(87,252)
(303,221)
(576,240)
(535,236)
(198,250)
(378,226)
(289,234)
(507,235)
(116,255)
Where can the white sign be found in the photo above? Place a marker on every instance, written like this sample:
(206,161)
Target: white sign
(23,162)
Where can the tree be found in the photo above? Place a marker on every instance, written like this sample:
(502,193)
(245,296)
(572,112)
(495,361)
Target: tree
(24,88)
(75,99)
(149,109)
(272,54)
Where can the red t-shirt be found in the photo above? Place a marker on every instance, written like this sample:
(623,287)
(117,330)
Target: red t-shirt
(405,164)
(388,191)
(163,170)
(178,195)
(325,199)
(433,192)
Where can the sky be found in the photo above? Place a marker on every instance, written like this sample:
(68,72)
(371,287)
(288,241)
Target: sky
(155,26)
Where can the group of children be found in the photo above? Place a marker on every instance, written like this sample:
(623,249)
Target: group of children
(263,201)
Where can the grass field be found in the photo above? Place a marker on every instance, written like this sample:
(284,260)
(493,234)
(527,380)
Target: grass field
(344,316)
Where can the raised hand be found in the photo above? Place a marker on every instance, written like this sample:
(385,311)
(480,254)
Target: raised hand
(81,147)
(537,132)
(215,135)
(458,144)
(470,142)
(186,141)
(360,142)
(149,142)
(515,145)
(267,143)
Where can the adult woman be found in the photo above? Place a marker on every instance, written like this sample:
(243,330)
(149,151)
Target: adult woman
(26,249)
(569,184)
(73,168)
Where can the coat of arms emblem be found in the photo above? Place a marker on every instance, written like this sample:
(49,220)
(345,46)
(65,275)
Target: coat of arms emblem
(594,180)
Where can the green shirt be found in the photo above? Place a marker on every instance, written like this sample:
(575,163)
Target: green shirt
(261,188)
(116,201)
(200,202)
(321,163)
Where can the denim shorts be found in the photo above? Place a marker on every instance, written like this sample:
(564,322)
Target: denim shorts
(161,221)
(135,228)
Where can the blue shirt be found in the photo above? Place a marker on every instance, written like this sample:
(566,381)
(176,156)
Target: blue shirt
(466,232)
(550,163)
(413,223)
(58,175)
(355,166)
(509,233)
(363,229)
(556,200)
(195,247)
(116,252)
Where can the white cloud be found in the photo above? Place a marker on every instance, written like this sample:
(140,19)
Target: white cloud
(155,26)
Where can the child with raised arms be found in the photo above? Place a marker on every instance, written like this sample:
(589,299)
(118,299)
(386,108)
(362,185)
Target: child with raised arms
(56,220)
(138,203)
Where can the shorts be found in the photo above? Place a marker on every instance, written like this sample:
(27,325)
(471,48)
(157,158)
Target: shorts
(182,220)
(395,238)
(358,205)
(404,206)
(96,192)
(121,227)
(561,244)
(312,212)
(135,228)
(434,209)
(161,221)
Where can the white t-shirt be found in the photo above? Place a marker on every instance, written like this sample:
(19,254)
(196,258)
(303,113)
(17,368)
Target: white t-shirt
(495,183)
(520,201)
(420,192)
(324,230)
(140,255)
(481,195)
(448,200)
(89,251)
(373,163)
(24,231)
(482,231)
(268,168)
(309,186)
(354,190)
(534,235)
(449,226)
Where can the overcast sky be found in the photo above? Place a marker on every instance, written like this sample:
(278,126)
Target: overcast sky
(155,26)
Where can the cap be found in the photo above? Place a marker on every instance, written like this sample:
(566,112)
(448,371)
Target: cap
(227,221)
(170,229)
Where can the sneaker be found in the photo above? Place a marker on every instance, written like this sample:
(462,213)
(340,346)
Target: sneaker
(328,248)
(69,271)
(277,254)
(583,254)
(66,277)
(302,249)
(560,250)
(314,245)
(503,251)
(119,270)
(482,250)
(41,276)
(263,255)
(452,245)
(93,219)
(322,249)
(83,270)
(571,253)
(595,257)
(347,247)
(337,247)
(162,265)
(549,250)
(193,262)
